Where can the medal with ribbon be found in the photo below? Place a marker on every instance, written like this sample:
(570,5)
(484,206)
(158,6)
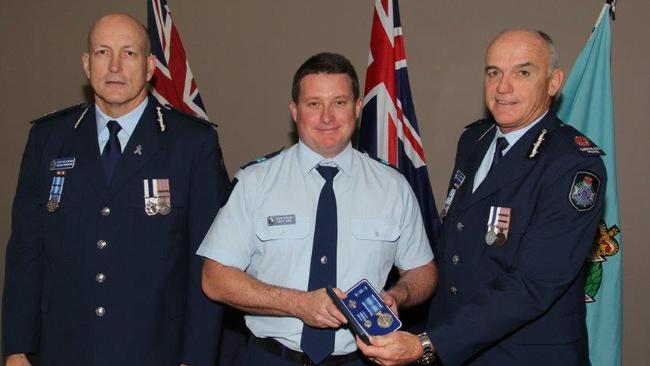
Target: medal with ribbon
(163,196)
(56,190)
(150,202)
(457,181)
(498,225)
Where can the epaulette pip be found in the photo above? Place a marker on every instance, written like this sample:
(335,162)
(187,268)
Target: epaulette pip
(263,158)
(190,116)
(59,113)
(576,139)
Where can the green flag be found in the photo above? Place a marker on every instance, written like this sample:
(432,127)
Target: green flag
(586,104)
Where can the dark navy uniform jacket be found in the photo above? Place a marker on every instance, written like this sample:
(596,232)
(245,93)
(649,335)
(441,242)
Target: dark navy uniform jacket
(98,281)
(521,303)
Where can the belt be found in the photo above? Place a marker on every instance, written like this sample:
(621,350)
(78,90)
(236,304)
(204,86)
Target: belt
(272,346)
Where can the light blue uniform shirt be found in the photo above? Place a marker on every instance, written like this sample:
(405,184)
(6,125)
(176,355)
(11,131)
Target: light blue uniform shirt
(512,138)
(378,225)
(127,121)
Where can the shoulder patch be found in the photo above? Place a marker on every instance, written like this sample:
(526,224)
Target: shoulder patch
(189,115)
(60,113)
(261,159)
(584,190)
(579,141)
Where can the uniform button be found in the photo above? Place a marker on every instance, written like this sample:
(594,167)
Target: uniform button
(376,233)
(453,291)
(100,278)
(323,259)
(105,211)
(455,259)
(100,311)
(460,226)
(101,244)
(282,233)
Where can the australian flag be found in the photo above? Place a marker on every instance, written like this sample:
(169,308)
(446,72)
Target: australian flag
(173,82)
(389,129)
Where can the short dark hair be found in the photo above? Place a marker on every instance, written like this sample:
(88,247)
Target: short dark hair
(325,63)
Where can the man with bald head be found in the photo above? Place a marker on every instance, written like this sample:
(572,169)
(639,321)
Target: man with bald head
(113,200)
(524,203)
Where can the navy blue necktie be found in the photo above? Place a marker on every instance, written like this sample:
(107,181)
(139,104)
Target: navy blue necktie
(318,343)
(502,144)
(112,150)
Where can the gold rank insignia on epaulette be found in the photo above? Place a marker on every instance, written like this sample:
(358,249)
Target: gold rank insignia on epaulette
(580,141)
(61,112)
(263,158)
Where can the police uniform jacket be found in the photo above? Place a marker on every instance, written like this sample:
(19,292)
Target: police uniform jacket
(522,302)
(98,281)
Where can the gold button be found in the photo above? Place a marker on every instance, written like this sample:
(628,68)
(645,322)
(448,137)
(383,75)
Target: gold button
(101,244)
(100,311)
(100,278)
(105,211)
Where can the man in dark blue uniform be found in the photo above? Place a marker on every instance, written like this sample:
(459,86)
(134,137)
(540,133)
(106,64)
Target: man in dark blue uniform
(113,201)
(524,202)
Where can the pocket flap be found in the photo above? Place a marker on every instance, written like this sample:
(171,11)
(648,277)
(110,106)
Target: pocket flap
(375,229)
(298,230)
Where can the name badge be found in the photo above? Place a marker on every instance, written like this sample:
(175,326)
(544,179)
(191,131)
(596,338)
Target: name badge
(62,164)
(281,220)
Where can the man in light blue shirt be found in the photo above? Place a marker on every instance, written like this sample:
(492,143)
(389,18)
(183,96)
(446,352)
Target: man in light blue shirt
(259,247)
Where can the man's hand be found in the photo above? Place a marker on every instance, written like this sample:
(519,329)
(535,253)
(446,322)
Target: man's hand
(390,301)
(18,359)
(397,348)
(316,309)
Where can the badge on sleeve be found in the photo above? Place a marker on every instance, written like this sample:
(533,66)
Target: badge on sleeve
(584,190)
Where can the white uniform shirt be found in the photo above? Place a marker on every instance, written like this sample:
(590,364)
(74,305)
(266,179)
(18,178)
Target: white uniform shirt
(378,223)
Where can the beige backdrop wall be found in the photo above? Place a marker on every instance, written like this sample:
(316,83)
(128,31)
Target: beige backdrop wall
(243,54)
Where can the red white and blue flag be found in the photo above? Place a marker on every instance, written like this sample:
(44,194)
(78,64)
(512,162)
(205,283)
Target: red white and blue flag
(173,82)
(389,128)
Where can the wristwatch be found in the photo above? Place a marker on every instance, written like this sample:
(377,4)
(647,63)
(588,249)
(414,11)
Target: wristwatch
(429,356)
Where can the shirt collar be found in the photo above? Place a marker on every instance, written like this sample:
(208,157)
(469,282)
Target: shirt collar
(515,135)
(308,159)
(127,121)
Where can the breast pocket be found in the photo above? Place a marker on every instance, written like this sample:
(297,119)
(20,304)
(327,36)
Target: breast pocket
(376,239)
(277,234)
(160,235)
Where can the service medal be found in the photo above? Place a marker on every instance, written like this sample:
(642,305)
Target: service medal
(500,239)
(384,320)
(52,204)
(150,206)
(164,209)
(491,235)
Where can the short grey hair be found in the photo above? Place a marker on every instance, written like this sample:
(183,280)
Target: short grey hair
(553,59)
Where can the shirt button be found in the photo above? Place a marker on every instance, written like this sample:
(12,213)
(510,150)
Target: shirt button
(453,291)
(100,311)
(105,211)
(376,233)
(323,259)
(460,226)
(455,259)
(100,278)
(101,244)
(282,233)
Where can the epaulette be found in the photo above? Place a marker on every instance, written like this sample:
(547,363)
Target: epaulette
(59,113)
(579,141)
(382,161)
(478,122)
(190,116)
(263,158)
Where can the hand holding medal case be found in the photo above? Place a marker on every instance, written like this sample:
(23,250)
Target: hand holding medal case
(366,312)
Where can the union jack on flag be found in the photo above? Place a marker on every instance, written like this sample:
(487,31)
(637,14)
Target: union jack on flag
(173,83)
(389,129)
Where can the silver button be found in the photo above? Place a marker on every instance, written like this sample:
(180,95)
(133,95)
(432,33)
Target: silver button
(105,211)
(100,278)
(455,259)
(323,259)
(101,244)
(100,311)
(460,226)
(453,291)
